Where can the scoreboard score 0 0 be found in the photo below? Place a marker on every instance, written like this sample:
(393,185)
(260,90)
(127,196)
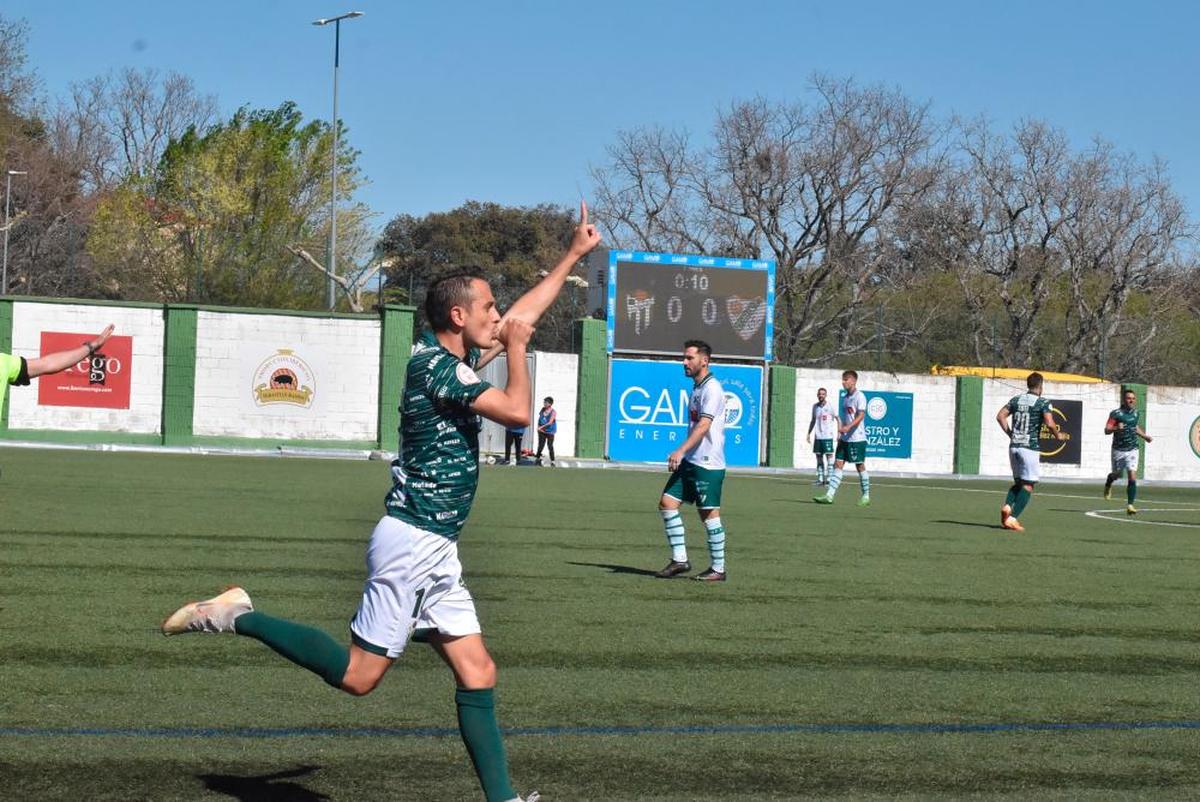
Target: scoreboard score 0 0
(656,301)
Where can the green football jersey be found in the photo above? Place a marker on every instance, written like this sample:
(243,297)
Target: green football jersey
(435,476)
(1025,415)
(1124,439)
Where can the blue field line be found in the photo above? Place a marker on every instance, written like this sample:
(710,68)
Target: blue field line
(699,729)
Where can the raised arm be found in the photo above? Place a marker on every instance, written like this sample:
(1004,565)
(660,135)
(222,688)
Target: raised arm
(61,360)
(533,304)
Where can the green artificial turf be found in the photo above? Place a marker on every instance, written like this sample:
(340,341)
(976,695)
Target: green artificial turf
(908,619)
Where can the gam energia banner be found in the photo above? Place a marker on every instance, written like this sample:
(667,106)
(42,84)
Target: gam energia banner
(648,410)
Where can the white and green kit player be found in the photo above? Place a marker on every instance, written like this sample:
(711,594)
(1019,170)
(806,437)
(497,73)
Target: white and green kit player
(1022,419)
(822,430)
(414,588)
(852,441)
(697,469)
(1123,425)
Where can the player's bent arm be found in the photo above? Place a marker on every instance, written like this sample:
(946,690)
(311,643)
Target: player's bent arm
(510,406)
(1002,419)
(1110,426)
(497,405)
(1048,420)
(1143,435)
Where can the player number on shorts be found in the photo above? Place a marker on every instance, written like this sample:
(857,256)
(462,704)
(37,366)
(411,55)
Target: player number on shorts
(417,607)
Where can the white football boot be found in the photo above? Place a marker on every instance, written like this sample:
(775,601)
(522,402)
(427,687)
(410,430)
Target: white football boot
(214,615)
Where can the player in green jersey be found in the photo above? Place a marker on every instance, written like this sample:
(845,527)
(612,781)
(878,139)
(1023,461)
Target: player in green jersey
(1123,426)
(18,371)
(1022,419)
(414,588)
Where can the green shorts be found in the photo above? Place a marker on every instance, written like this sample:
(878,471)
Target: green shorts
(695,485)
(822,446)
(855,453)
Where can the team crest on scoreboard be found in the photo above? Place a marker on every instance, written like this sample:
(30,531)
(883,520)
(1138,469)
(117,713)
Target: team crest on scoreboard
(284,378)
(746,315)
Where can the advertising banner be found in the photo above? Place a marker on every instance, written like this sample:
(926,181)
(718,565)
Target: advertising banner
(889,423)
(1069,416)
(648,410)
(100,381)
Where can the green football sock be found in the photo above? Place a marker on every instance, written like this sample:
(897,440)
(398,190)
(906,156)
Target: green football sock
(481,734)
(305,646)
(1131,491)
(1023,498)
(1011,498)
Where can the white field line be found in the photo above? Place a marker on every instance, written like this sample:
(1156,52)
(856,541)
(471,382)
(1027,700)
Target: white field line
(1129,519)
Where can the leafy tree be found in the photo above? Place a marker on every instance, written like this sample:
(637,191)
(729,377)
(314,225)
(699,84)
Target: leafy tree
(509,244)
(217,220)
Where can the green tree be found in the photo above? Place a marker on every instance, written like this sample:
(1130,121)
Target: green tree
(510,245)
(217,220)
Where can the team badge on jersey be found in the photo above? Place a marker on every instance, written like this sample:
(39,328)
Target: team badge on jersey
(465,374)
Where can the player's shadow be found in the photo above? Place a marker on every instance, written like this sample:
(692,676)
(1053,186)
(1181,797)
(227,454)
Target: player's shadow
(264,787)
(969,523)
(617,569)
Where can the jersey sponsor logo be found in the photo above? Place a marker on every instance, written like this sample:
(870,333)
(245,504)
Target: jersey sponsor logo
(283,378)
(465,374)
(445,515)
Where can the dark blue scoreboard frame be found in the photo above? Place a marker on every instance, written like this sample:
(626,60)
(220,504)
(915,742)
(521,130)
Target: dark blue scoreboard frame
(656,301)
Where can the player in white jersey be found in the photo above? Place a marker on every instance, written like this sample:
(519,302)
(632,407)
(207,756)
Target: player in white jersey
(852,440)
(822,430)
(697,469)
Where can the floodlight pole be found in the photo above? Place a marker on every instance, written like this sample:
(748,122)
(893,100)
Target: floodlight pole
(7,204)
(331,267)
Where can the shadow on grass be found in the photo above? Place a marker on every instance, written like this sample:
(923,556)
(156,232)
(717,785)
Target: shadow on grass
(264,787)
(617,569)
(970,523)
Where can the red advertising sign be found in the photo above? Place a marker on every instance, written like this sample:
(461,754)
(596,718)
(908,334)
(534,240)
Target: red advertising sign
(99,381)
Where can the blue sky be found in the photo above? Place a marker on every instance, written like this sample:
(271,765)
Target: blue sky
(513,101)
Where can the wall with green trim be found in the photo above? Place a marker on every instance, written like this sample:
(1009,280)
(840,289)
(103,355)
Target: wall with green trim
(193,375)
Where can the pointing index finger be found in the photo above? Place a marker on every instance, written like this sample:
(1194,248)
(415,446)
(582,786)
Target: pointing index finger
(583,213)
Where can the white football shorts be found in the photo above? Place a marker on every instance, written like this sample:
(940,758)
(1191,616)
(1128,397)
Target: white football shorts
(1026,463)
(414,582)
(1124,461)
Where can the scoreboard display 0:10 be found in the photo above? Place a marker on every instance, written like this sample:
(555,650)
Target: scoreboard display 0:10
(658,307)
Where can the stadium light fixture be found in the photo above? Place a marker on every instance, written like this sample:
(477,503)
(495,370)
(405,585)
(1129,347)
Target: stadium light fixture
(331,266)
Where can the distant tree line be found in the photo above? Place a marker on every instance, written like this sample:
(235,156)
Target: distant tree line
(901,240)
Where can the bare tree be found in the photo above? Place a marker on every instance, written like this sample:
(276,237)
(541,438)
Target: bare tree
(118,126)
(1122,237)
(813,186)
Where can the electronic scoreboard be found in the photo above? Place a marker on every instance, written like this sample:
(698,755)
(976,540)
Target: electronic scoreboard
(656,301)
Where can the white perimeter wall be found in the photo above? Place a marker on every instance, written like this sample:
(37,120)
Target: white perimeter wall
(144,325)
(556,375)
(933,416)
(1170,413)
(1095,451)
(342,353)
